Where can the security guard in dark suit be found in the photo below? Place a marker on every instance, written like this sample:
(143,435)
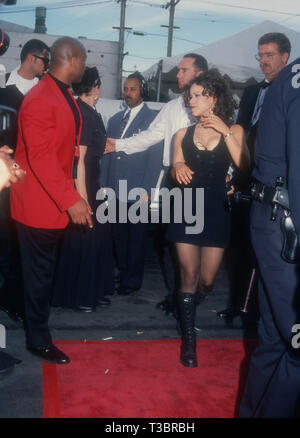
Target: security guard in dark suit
(273,52)
(139,170)
(273,386)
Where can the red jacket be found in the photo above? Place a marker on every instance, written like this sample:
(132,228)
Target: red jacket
(45,149)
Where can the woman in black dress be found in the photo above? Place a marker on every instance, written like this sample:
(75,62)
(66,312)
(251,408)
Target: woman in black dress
(202,155)
(85,268)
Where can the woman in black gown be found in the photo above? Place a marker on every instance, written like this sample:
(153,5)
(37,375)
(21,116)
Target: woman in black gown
(202,155)
(85,268)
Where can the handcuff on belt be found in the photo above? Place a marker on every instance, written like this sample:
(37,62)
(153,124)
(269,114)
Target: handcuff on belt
(277,197)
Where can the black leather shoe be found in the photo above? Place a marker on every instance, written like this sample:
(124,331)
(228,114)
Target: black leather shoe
(7,364)
(104,302)
(85,309)
(229,313)
(125,291)
(168,305)
(15,316)
(50,354)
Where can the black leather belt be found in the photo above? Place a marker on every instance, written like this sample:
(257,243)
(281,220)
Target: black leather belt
(262,193)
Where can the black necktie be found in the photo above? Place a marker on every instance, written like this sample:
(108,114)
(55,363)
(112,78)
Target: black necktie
(259,102)
(266,84)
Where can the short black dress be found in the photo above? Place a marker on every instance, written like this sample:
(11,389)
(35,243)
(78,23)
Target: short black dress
(210,169)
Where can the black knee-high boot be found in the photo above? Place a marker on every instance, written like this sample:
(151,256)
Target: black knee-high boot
(187,309)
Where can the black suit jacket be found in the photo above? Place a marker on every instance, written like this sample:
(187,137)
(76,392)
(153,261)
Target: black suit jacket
(247,105)
(11,96)
(246,108)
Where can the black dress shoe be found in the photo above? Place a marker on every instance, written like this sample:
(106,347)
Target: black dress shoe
(7,364)
(229,313)
(50,354)
(168,305)
(125,291)
(104,302)
(85,309)
(15,316)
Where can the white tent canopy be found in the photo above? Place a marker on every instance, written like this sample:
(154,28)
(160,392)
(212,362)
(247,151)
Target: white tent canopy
(234,55)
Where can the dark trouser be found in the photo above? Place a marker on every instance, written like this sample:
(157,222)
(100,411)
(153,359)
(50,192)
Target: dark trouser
(11,294)
(273,385)
(241,262)
(130,250)
(166,256)
(38,249)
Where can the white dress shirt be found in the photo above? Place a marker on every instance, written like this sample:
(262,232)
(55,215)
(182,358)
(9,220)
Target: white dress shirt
(173,116)
(133,113)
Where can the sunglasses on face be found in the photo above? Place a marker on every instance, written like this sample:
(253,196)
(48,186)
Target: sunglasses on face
(45,60)
(97,83)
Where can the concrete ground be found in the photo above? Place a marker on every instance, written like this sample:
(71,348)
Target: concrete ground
(133,317)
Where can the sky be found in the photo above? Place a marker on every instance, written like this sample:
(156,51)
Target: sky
(200,22)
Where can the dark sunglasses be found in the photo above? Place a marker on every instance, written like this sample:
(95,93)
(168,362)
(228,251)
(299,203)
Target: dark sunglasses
(97,83)
(45,60)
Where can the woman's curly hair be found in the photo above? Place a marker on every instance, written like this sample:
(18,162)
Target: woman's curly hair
(215,85)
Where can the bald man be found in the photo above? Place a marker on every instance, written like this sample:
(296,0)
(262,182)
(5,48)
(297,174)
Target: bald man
(44,202)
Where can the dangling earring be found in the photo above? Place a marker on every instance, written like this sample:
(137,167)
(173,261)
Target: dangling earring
(211,111)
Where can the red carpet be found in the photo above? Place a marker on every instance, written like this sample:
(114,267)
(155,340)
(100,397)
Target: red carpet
(144,379)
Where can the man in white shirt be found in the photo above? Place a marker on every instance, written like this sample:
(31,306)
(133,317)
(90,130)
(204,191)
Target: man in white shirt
(172,117)
(34,61)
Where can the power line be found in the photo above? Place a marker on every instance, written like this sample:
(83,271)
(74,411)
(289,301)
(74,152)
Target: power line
(189,41)
(154,5)
(214,20)
(143,57)
(63,5)
(140,33)
(248,8)
(222,4)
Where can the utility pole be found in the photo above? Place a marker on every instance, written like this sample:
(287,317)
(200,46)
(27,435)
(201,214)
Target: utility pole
(171,26)
(121,54)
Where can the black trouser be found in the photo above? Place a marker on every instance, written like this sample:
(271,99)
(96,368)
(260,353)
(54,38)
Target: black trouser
(273,385)
(38,249)
(130,248)
(11,293)
(241,261)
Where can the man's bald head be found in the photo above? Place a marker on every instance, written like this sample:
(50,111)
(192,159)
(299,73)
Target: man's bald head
(68,57)
(63,49)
